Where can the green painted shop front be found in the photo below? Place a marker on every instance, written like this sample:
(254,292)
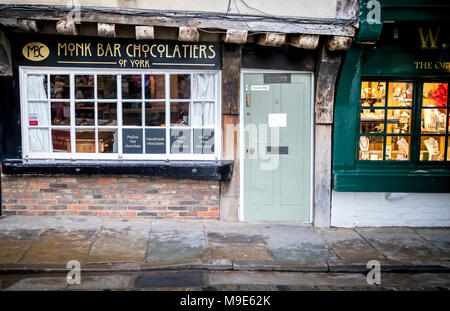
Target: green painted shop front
(398,68)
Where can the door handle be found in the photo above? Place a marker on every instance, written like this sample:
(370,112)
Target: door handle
(252,150)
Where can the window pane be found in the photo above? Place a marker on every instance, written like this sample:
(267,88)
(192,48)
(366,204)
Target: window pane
(85,140)
(84,87)
(132,141)
(60,113)
(204,141)
(371,147)
(155,114)
(132,114)
(203,87)
(373,94)
(397,148)
(448,149)
(435,95)
(398,121)
(107,114)
(38,114)
(106,87)
(180,141)
(180,86)
(61,140)
(155,87)
(400,94)
(84,114)
(131,87)
(60,86)
(179,113)
(39,140)
(107,141)
(37,87)
(202,114)
(155,141)
(433,120)
(432,148)
(372,120)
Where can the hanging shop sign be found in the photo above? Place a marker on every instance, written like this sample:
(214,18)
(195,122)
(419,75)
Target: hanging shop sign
(65,51)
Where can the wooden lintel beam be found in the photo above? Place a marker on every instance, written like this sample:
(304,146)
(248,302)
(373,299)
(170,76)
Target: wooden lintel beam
(236,36)
(188,34)
(28,25)
(309,42)
(145,32)
(338,43)
(271,39)
(106,30)
(65,27)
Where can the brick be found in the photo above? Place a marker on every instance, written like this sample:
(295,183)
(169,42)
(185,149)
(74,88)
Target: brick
(177,208)
(107,180)
(189,202)
(58,186)
(108,213)
(146,213)
(87,213)
(77,207)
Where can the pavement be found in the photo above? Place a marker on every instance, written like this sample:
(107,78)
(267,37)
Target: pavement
(45,244)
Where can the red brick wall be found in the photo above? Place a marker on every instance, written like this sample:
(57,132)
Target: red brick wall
(121,196)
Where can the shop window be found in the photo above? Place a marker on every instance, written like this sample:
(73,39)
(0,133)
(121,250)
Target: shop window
(104,115)
(388,131)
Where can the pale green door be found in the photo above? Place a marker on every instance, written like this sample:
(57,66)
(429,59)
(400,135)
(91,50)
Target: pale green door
(277,148)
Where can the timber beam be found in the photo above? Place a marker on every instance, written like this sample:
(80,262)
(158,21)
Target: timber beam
(188,34)
(145,32)
(27,25)
(235,36)
(106,30)
(271,39)
(65,27)
(338,43)
(309,42)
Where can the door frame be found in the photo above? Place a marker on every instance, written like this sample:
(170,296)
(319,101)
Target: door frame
(242,142)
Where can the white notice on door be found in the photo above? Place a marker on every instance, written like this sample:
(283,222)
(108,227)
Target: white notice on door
(277,120)
(260,88)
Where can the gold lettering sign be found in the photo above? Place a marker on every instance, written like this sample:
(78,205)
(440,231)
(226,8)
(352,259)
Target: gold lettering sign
(35,51)
(429,38)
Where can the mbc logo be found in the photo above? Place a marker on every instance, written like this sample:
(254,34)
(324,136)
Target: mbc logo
(35,51)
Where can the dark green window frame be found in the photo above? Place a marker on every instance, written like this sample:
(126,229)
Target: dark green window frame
(415,126)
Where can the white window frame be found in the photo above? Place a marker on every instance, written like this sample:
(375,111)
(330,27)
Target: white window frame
(73,155)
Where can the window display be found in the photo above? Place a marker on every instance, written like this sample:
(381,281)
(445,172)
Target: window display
(386,122)
(121,115)
(380,116)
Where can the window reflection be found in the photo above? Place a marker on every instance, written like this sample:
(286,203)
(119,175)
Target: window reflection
(84,114)
(107,86)
(155,87)
(180,86)
(131,86)
(179,113)
(155,114)
(60,113)
(84,87)
(132,113)
(60,86)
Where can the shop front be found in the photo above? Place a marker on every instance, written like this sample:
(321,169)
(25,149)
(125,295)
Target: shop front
(133,114)
(391,162)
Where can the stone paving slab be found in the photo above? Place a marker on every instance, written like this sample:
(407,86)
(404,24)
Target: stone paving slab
(57,246)
(14,243)
(440,237)
(88,282)
(401,244)
(240,251)
(175,241)
(120,245)
(349,246)
(233,233)
(293,243)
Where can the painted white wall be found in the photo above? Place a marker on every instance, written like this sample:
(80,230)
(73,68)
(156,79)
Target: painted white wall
(291,8)
(374,209)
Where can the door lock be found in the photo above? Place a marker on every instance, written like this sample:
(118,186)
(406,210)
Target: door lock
(252,150)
